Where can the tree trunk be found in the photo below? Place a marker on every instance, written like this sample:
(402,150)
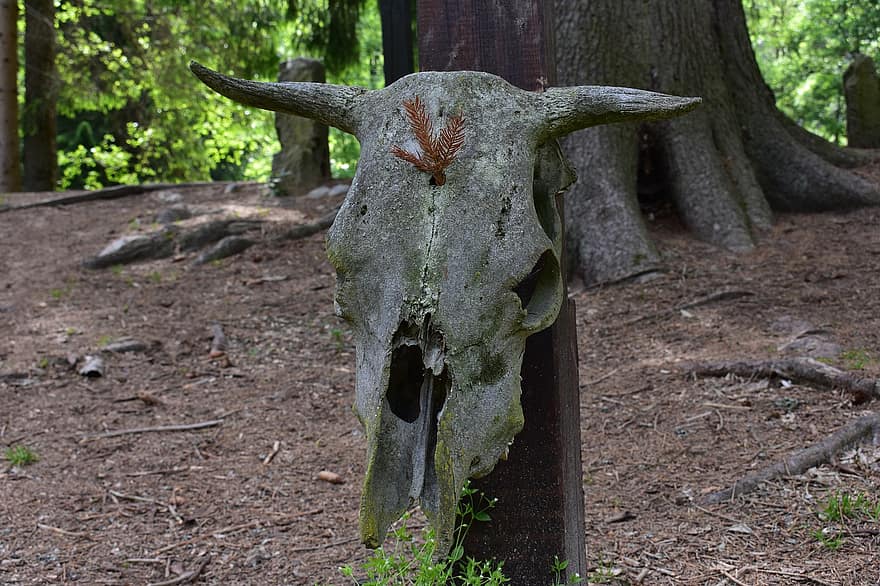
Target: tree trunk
(724,166)
(397,38)
(10,173)
(861,86)
(38,119)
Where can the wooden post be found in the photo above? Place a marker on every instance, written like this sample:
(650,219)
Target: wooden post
(540,510)
(397,38)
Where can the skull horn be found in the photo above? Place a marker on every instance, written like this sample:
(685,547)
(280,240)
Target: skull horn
(333,105)
(564,110)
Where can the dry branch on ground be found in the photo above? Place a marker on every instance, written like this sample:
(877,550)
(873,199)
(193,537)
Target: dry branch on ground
(799,462)
(801,370)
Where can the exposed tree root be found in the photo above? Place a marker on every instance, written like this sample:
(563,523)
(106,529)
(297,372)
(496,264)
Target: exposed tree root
(801,370)
(226,236)
(305,230)
(799,462)
(115,192)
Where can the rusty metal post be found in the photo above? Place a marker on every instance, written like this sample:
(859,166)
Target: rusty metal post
(540,510)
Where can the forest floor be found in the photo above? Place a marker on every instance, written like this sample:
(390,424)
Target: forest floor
(240,500)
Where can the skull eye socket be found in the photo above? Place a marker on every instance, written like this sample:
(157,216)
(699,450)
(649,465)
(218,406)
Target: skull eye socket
(539,292)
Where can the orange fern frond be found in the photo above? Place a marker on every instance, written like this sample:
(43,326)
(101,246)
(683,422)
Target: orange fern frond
(437,152)
(450,140)
(420,123)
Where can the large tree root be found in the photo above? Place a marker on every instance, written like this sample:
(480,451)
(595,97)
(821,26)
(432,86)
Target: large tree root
(801,370)
(305,230)
(799,462)
(226,237)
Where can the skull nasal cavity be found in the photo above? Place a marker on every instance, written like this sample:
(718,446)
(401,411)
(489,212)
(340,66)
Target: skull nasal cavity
(405,382)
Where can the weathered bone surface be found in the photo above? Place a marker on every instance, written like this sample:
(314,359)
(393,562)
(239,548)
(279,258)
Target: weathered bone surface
(443,283)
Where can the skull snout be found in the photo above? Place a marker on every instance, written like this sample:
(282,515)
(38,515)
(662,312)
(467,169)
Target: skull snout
(418,384)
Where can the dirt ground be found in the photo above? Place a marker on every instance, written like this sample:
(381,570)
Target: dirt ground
(240,500)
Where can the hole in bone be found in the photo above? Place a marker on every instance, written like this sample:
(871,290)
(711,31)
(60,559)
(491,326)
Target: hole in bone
(419,382)
(538,291)
(405,382)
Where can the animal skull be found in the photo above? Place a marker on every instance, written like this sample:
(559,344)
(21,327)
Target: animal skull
(442,281)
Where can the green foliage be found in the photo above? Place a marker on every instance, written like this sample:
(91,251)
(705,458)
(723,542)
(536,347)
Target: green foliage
(557,568)
(20,455)
(829,539)
(856,359)
(804,46)
(130,111)
(841,508)
(411,560)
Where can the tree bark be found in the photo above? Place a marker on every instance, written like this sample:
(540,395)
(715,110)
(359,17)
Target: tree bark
(10,172)
(41,89)
(724,167)
(397,39)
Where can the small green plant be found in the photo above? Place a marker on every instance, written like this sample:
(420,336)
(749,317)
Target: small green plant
(842,506)
(116,270)
(828,538)
(56,294)
(604,573)
(557,568)
(20,456)
(338,338)
(411,561)
(104,340)
(155,277)
(856,359)
(43,363)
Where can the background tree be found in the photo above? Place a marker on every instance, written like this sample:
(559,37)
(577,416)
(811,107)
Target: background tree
(129,111)
(10,173)
(724,166)
(803,48)
(38,115)
(397,38)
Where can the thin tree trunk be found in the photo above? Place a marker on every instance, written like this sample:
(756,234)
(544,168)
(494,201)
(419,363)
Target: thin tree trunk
(397,38)
(10,173)
(723,166)
(38,119)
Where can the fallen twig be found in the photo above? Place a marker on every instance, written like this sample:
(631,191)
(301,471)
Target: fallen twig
(141,499)
(286,520)
(803,370)
(275,448)
(115,192)
(731,578)
(801,461)
(723,295)
(61,531)
(175,470)
(800,577)
(324,545)
(185,577)
(158,429)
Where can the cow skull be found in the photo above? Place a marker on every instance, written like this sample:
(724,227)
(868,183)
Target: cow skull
(442,277)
